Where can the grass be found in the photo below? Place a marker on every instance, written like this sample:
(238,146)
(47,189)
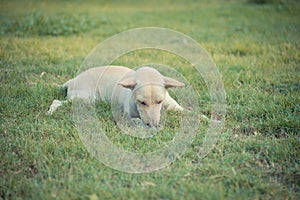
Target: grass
(255,45)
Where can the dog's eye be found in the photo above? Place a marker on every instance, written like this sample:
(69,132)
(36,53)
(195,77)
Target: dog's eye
(143,103)
(158,102)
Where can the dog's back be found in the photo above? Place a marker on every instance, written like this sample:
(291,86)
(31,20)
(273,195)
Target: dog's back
(96,83)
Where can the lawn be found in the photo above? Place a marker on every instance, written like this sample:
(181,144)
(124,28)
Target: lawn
(256,47)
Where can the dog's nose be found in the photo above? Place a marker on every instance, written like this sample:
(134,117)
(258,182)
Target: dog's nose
(150,125)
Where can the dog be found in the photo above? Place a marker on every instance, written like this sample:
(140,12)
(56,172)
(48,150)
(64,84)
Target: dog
(140,94)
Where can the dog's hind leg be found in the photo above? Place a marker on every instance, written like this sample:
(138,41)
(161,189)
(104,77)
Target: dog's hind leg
(55,104)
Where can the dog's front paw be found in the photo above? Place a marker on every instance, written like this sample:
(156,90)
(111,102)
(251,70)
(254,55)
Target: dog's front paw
(175,108)
(179,108)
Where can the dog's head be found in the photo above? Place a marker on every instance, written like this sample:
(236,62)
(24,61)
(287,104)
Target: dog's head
(149,92)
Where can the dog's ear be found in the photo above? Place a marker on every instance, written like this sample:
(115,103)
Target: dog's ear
(128,83)
(169,82)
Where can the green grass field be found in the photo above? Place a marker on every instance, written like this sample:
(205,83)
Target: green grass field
(256,46)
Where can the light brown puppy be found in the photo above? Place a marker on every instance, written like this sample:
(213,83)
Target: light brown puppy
(140,94)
